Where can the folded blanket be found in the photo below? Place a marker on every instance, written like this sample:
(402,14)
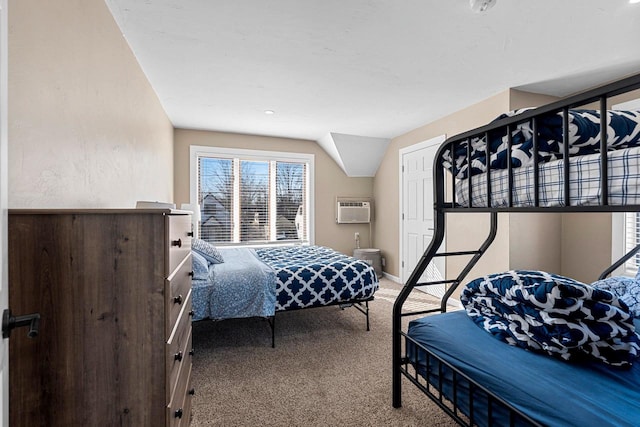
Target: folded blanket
(553,314)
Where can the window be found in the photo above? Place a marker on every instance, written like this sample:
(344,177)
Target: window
(252,197)
(631,240)
(626,236)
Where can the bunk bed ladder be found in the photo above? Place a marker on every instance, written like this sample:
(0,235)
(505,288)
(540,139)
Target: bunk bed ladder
(414,280)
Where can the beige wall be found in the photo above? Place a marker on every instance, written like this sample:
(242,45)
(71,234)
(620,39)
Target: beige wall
(535,241)
(521,99)
(85,127)
(586,245)
(330,180)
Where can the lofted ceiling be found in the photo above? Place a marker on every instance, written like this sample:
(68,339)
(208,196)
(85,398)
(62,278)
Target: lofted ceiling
(366,68)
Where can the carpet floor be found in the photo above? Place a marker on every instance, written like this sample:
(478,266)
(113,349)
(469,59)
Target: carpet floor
(326,370)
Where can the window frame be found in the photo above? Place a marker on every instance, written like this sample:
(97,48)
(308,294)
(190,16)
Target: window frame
(196,151)
(619,243)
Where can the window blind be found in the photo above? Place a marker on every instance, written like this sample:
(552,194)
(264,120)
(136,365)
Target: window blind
(252,200)
(632,239)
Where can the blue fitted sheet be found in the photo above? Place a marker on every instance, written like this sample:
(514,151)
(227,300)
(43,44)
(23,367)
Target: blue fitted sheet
(549,390)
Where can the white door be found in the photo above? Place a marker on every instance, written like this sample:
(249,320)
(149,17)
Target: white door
(417,212)
(4,175)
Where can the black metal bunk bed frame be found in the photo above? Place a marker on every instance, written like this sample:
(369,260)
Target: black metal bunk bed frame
(401,364)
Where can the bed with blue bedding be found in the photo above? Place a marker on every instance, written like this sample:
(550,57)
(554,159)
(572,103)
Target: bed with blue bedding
(259,282)
(535,339)
(551,391)
(530,348)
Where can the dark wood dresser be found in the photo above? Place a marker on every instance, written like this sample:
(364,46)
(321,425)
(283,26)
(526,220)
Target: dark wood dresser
(113,289)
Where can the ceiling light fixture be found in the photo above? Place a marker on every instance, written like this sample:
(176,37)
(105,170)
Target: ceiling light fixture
(634,1)
(480,6)
(269,112)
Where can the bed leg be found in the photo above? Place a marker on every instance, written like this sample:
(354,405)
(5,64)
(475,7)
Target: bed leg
(273,331)
(272,324)
(367,314)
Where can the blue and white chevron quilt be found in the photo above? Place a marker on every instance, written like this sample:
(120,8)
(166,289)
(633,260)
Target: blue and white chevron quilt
(552,314)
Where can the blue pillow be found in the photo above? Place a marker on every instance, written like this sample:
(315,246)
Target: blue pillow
(207,250)
(200,266)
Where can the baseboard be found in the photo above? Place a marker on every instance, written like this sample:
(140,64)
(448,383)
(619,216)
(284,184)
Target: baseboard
(391,277)
(451,302)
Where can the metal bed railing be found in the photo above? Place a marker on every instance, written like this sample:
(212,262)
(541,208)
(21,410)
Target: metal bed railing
(462,389)
(446,185)
(360,304)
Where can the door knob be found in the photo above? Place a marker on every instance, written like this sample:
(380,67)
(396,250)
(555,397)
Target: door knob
(10,322)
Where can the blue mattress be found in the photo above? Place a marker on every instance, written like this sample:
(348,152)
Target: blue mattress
(549,390)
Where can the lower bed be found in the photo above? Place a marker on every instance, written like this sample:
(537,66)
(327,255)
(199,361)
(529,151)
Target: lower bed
(548,390)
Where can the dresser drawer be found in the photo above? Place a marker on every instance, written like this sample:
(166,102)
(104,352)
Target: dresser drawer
(178,287)
(179,354)
(179,244)
(179,409)
(186,407)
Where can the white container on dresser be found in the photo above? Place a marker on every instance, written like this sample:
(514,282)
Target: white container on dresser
(113,289)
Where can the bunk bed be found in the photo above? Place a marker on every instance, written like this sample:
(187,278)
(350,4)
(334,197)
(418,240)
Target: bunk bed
(474,377)
(240,282)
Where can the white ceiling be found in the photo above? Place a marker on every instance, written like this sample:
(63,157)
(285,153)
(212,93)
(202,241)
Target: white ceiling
(374,68)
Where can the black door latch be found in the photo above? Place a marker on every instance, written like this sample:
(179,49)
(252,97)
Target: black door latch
(10,322)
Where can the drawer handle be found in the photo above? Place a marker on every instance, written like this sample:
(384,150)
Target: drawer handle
(178,413)
(178,356)
(190,233)
(192,391)
(192,352)
(178,299)
(177,243)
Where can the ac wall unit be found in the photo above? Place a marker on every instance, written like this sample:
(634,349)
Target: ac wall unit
(353,212)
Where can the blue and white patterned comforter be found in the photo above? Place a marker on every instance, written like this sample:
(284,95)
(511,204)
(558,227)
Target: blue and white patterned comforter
(623,131)
(553,314)
(313,276)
